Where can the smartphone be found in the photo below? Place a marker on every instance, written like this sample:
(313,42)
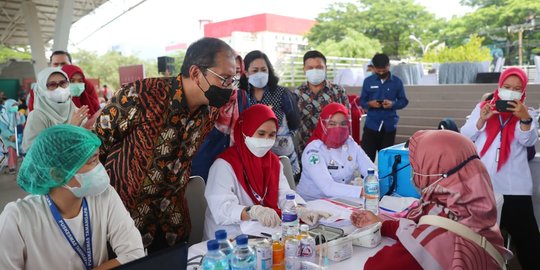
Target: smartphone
(503,105)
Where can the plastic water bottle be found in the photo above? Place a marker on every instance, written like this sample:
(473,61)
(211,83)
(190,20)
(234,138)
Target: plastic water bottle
(307,247)
(225,245)
(215,259)
(243,257)
(289,218)
(371,192)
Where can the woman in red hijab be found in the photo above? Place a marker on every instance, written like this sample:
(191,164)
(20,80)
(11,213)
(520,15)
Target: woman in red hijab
(332,159)
(502,137)
(454,187)
(82,90)
(246,182)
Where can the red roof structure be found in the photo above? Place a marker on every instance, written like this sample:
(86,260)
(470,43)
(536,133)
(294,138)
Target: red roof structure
(259,23)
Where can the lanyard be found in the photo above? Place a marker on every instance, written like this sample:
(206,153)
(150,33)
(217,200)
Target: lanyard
(84,253)
(505,123)
(255,194)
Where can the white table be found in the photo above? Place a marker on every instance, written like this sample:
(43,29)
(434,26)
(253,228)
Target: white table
(360,254)
(357,261)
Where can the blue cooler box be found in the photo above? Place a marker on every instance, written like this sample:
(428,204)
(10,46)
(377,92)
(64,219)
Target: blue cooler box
(386,159)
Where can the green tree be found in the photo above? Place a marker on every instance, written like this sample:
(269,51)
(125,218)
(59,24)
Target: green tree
(472,51)
(481,3)
(7,53)
(105,67)
(354,44)
(391,22)
(492,21)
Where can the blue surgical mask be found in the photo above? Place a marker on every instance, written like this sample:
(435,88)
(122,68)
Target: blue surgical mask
(13,109)
(76,89)
(259,79)
(93,182)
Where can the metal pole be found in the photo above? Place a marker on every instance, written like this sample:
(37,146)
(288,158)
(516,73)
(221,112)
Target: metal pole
(520,47)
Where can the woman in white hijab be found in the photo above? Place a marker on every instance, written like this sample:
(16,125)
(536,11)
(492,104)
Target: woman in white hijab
(52,105)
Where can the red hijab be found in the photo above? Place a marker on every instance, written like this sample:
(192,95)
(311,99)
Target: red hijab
(465,196)
(89,96)
(261,174)
(493,125)
(327,112)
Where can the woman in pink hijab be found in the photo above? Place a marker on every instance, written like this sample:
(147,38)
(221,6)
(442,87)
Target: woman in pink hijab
(454,184)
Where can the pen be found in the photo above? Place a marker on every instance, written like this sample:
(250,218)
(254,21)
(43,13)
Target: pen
(266,234)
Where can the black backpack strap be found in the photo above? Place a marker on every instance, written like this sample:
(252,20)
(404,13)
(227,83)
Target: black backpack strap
(393,175)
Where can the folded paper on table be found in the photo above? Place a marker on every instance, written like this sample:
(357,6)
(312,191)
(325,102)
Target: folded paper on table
(255,228)
(340,214)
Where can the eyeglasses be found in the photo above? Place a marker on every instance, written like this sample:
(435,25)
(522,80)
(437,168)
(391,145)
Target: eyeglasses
(226,82)
(54,85)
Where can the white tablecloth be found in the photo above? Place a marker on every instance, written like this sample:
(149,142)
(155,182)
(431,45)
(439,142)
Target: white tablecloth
(357,261)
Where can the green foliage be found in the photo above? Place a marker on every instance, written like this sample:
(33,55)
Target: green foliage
(481,3)
(105,67)
(354,44)
(491,21)
(472,51)
(391,22)
(9,53)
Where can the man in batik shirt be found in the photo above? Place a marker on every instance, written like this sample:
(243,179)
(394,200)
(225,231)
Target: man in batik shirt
(150,131)
(316,93)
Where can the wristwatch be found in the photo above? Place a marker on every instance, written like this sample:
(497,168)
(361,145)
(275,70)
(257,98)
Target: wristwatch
(526,122)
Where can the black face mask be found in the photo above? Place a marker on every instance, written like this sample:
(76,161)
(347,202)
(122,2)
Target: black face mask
(383,75)
(217,96)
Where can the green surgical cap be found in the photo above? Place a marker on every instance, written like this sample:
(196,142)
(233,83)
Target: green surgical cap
(55,156)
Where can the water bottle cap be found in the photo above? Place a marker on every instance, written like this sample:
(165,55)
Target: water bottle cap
(276,236)
(242,239)
(304,228)
(212,245)
(290,196)
(221,234)
(370,171)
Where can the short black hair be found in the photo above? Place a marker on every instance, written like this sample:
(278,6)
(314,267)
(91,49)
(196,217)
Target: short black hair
(380,60)
(60,53)
(203,53)
(250,57)
(314,54)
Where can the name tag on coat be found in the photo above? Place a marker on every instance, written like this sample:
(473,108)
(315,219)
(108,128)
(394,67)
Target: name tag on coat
(374,86)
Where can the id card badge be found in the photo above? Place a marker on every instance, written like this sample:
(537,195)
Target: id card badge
(497,155)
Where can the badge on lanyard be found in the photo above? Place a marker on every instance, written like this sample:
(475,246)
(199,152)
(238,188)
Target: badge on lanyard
(85,251)
(497,154)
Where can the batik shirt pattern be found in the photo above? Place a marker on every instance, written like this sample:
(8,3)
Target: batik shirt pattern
(149,137)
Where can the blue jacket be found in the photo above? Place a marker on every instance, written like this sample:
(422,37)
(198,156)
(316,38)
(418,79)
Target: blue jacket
(392,89)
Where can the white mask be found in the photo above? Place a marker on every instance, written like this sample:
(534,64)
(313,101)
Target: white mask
(59,95)
(507,94)
(93,182)
(432,185)
(259,79)
(259,146)
(316,76)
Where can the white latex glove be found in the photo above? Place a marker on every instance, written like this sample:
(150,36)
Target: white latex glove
(265,215)
(311,217)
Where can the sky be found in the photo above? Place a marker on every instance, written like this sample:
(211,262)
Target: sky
(149,27)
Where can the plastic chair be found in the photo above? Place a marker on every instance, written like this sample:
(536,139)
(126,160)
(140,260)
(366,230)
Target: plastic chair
(287,170)
(197,207)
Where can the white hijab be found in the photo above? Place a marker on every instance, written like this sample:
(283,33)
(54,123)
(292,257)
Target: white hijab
(58,113)
(46,113)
